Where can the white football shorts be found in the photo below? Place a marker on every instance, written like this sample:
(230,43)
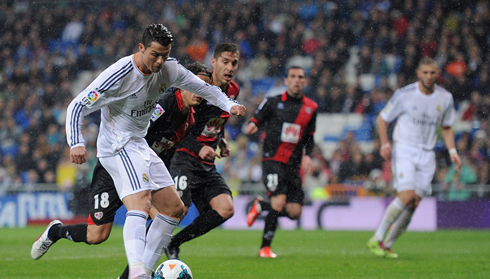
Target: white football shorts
(136,168)
(413,169)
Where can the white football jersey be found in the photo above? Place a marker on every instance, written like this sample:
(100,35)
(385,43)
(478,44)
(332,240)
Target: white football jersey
(127,98)
(419,115)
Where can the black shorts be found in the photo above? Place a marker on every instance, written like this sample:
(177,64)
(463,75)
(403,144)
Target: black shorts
(103,198)
(279,178)
(197,184)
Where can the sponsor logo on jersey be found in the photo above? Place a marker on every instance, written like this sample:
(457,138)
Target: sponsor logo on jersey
(149,107)
(157,113)
(290,132)
(90,99)
(98,215)
(213,127)
(145,177)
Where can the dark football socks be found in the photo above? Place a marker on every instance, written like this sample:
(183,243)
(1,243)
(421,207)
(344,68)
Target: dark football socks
(201,225)
(75,233)
(270,227)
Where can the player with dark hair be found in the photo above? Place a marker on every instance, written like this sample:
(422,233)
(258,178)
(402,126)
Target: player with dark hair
(127,93)
(193,165)
(421,108)
(289,122)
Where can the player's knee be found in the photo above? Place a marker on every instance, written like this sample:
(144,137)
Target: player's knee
(97,237)
(226,212)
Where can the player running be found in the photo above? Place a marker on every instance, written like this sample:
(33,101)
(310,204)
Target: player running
(289,122)
(421,108)
(193,165)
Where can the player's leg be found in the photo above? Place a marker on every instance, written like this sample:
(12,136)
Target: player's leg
(424,175)
(168,210)
(103,204)
(130,169)
(403,168)
(278,203)
(215,205)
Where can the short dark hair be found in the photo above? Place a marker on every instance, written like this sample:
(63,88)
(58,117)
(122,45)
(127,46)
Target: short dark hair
(225,47)
(157,32)
(199,69)
(294,67)
(427,61)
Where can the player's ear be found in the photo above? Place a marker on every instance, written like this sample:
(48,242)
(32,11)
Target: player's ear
(213,62)
(141,47)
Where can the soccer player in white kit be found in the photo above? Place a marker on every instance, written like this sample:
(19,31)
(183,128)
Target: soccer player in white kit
(127,93)
(420,107)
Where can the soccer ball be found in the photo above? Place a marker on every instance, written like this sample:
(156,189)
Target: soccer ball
(173,269)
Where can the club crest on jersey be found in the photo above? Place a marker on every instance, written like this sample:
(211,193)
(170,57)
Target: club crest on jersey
(157,113)
(91,98)
(163,88)
(438,108)
(98,215)
(145,177)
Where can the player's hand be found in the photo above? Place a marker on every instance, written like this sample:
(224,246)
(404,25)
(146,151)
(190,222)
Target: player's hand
(455,159)
(207,153)
(251,128)
(238,110)
(385,151)
(306,165)
(224,148)
(78,155)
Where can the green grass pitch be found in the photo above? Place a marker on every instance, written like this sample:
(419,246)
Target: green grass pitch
(225,254)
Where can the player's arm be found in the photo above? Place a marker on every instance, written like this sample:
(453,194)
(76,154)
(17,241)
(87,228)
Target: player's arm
(190,82)
(309,144)
(448,136)
(94,97)
(223,146)
(261,115)
(385,149)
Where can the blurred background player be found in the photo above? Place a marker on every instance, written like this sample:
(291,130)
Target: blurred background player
(193,165)
(172,118)
(420,107)
(289,122)
(127,93)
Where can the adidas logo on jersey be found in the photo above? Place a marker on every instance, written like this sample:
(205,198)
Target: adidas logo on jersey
(133,96)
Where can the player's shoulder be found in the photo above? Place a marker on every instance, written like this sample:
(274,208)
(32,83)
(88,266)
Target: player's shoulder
(233,90)
(124,64)
(310,103)
(404,91)
(443,92)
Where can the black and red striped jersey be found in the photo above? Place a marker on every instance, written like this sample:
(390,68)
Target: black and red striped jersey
(168,125)
(208,128)
(289,125)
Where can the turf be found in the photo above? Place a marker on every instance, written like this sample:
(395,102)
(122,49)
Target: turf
(233,254)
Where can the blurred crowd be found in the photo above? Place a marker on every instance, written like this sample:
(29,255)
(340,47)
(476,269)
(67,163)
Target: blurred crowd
(356,52)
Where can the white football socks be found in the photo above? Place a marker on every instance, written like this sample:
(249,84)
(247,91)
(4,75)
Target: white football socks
(158,237)
(134,235)
(392,213)
(398,227)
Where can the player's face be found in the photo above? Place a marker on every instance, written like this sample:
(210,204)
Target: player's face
(296,82)
(428,75)
(154,57)
(224,68)
(190,99)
